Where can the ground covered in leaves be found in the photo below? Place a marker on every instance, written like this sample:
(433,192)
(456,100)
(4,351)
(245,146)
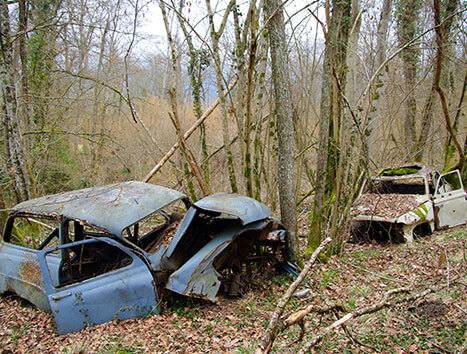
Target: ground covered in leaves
(359,277)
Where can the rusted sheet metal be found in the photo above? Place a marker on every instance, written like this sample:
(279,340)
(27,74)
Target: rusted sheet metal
(111,208)
(197,277)
(182,228)
(20,273)
(245,208)
(451,206)
(422,213)
(100,277)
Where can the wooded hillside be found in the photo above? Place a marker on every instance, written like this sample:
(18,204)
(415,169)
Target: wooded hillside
(323,93)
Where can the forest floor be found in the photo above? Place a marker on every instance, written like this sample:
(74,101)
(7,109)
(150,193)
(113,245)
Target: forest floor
(435,323)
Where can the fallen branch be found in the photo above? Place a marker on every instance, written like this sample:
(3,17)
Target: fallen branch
(364,311)
(268,338)
(299,315)
(188,133)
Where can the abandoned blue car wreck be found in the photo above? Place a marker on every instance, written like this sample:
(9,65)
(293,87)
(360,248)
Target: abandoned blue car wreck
(103,253)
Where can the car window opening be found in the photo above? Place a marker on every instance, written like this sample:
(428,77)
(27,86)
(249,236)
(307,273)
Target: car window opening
(87,261)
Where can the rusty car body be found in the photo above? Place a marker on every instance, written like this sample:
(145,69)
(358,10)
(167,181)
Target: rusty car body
(398,203)
(103,253)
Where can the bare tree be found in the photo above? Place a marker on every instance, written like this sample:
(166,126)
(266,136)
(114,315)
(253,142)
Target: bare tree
(173,97)
(285,126)
(199,61)
(215,36)
(408,12)
(14,155)
(333,81)
(379,85)
(442,31)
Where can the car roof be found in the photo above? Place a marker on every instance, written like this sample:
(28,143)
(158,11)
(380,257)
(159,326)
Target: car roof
(111,208)
(403,172)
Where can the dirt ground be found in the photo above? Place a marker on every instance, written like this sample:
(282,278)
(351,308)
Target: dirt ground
(433,324)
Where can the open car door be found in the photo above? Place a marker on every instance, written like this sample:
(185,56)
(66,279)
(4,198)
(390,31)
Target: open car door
(450,200)
(95,281)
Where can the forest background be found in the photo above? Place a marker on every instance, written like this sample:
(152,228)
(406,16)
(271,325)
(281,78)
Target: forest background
(308,97)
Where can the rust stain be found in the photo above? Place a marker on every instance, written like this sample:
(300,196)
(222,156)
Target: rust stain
(31,272)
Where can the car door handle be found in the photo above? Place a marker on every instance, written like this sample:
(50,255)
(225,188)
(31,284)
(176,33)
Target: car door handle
(58,297)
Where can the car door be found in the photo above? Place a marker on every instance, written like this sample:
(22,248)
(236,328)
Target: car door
(100,281)
(20,273)
(450,200)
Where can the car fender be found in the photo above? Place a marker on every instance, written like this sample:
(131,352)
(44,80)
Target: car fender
(197,277)
(421,214)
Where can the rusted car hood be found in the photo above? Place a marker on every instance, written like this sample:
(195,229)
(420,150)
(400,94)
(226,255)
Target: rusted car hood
(389,206)
(111,208)
(246,209)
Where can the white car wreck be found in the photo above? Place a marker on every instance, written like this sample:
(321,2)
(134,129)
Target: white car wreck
(396,204)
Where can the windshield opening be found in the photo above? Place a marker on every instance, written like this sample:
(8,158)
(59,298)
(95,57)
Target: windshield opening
(413,185)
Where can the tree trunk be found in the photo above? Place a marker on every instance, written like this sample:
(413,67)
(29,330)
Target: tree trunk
(22,27)
(15,162)
(198,62)
(440,42)
(378,88)
(345,132)
(285,126)
(194,166)
(329,121)
(215,35)
(427,117)
(247,173)
(408,15)
(173,56)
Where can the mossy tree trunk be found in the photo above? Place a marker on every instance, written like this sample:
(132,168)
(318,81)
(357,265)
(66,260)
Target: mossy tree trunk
(378,88)
(284,115)
(408,13)
(441,35)
(333,82)
(15,164)
(199,61)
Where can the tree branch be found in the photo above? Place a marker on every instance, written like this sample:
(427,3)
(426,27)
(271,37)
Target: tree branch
(187,134)
(268,338)
(364,311)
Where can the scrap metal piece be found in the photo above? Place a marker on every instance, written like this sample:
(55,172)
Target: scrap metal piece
(126,292)
(182,229)
(20,273)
